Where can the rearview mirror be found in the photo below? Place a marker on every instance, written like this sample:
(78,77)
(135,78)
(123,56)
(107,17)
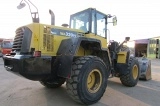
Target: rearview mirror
(127,38)
(114,21)
(21,5)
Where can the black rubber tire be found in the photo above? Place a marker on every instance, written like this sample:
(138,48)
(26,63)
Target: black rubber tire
(127,79)
(53,83)
(77,84)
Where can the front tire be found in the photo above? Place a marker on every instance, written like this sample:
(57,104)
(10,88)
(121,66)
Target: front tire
(88,80)
(132,75)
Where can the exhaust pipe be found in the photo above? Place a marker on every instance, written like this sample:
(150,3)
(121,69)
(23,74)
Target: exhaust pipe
(52,17)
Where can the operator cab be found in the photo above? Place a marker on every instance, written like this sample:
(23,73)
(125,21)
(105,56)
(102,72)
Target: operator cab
(91,21)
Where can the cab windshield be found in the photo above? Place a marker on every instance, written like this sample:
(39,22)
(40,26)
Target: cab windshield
(80,21)
(90,21)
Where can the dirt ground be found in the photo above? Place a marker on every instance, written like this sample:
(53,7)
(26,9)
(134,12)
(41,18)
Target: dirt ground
(18,91)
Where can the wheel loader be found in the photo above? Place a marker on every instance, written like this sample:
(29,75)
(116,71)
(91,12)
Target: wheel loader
(79,55)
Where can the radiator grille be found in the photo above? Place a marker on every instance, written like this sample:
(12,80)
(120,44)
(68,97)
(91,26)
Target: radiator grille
(18,40)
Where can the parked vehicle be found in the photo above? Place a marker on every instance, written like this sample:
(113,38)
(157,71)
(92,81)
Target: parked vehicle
(6,46)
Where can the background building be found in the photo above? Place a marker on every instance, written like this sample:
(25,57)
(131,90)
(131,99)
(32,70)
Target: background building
(153,49)
(150,46)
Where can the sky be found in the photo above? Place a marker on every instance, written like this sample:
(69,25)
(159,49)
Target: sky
(138,19)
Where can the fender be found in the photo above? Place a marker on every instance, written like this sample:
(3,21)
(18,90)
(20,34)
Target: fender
(66,52)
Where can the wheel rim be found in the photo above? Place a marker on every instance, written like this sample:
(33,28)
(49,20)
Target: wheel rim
(94,81)
(135,71)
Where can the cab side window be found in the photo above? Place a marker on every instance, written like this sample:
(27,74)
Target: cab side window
(100,25)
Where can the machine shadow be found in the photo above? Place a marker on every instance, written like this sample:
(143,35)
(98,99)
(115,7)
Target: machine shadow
(144,91)
(59,97)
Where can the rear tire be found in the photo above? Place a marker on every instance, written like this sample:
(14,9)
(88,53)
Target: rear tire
(131,77)
(88,80)
(53,83)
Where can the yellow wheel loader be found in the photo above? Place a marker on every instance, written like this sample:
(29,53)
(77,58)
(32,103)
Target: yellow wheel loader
(79,55)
